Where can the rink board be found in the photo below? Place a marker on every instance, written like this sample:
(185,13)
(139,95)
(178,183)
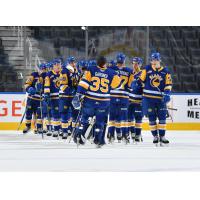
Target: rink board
(187,117)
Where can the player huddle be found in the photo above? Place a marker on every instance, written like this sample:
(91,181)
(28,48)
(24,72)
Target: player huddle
(86,100)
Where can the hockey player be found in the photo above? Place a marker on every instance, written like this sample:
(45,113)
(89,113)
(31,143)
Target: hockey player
(135,113)
(46,114)
(76,74)
(156,94)
(92,63)
(47,110)
(65,97)
(83,65)
(33,87)
(94,90)
(51,94)
(112,63)
(118,118)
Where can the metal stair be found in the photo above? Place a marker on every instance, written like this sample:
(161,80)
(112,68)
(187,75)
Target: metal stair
(21,50)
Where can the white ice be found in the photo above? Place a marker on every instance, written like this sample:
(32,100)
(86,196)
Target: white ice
(32,153)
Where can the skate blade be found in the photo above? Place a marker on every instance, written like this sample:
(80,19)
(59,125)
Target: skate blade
(55,136)
(112,143)
(126,142)
(91,141)
(69,139)
(164,145)
(137,143)
(156,144)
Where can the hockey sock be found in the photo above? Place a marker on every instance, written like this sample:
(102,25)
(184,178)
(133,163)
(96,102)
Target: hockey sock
(138,128)
(111,131)
(162,129)
(153,128)
(39,123)
(64,127)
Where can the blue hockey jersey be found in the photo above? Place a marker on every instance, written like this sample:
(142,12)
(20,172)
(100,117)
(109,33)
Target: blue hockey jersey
(156,81)
(32,80)
(52,84)
(66,84)
(97,83)
(42,79)
(122,92)
(135,95)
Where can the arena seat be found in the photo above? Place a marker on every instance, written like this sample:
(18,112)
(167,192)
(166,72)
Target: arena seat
(184,77)
(191,87)
(181,69)
(177,87)
(195,69)
(179,46)
(176,43)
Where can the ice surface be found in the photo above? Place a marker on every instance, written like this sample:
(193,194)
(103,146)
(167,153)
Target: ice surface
(30,153)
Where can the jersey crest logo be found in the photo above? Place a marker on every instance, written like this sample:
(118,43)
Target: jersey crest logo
(57,82)
(155,80)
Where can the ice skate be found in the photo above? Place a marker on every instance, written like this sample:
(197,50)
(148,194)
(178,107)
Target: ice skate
(64,136)
(49,133)
(133,137)
(163,141)
(138,138)
(156,140)
(55,134)
(39,131)
(119,138)
(126,139)
(99,146)
(27,129)
(61,133)
(111,140)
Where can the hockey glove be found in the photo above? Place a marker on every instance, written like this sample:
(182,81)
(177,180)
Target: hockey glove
(77,100)
(136,84)
(166,97)
(70,68)
(31,91)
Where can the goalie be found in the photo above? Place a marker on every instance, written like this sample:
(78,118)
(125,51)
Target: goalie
(94,92)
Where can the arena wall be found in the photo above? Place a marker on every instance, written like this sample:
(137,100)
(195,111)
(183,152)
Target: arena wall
(187,116)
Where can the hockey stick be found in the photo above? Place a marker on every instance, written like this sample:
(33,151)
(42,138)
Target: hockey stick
(76,122)
(168,115)
(41,114)
(22,119)
(169,108)
(48,116)
(162,93)
(26,108)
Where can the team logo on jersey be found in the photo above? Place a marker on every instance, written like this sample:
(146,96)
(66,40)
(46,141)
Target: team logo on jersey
(155,80)
(57,82)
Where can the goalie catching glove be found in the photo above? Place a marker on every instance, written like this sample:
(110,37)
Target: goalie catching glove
(77,100)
